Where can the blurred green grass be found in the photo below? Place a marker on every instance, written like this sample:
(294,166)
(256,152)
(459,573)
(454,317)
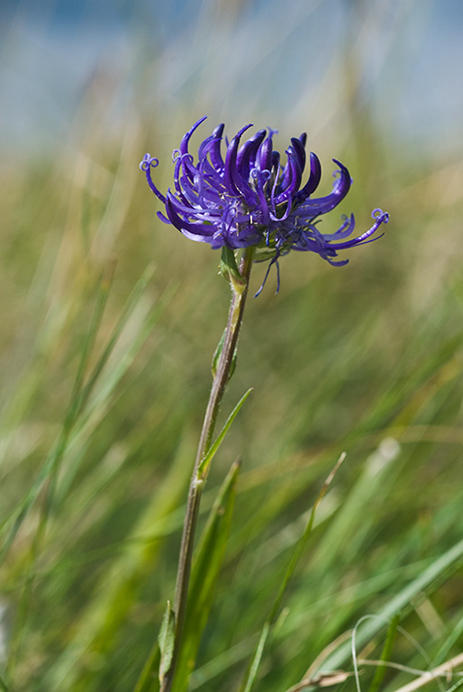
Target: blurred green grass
(364,359)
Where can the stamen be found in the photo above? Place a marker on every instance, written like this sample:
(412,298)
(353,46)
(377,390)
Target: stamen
(146,165)
(274,260)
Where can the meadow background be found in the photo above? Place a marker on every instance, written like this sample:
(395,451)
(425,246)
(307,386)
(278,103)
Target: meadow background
(109,319)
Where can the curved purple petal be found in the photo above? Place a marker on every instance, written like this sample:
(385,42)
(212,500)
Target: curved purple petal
(322,205)
(232,178)
(247,153)
(187,136)
(214,152)
(380,216)
(291,180)
(299,151)
(267,158)
(313,181)
(146,164)
(204,229)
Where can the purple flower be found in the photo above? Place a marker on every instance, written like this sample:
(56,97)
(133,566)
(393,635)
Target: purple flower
(251,198)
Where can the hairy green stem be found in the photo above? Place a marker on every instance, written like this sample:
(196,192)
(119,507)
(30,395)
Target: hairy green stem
(222,375)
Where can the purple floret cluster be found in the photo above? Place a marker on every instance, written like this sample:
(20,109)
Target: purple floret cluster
(249,197)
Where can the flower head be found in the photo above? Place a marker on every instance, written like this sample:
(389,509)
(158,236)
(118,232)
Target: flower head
(250,198)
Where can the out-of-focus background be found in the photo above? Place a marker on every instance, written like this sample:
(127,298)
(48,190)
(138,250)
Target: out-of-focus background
(104,381)
(303,61)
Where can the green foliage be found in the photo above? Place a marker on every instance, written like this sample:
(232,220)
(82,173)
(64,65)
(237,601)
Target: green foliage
(105,377)
(166,641)
(205,571)
(206,462)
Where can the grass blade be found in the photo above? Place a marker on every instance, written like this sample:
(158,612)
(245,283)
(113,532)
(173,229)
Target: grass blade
(385,655)
(206,568)
(434,575)
(51,466)
(204,466)
(149,680)
(252,671)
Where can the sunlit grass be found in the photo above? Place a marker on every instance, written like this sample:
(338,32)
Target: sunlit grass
(110,320)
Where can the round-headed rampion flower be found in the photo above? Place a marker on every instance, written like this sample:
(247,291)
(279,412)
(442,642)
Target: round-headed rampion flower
(251,198)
